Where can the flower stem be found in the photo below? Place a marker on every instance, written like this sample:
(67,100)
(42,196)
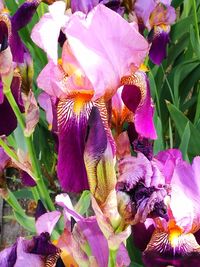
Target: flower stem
(112,258)
(41,187)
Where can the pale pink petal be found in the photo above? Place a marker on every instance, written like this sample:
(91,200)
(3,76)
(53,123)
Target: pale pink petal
(47,222)
(185,196)
(106,46)
(51,84)
(46,32)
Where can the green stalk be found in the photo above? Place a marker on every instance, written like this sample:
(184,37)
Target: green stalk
(112,258)
(196,20)
(34,161)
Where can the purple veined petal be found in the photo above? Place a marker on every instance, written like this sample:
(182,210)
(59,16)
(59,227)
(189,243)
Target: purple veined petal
(142,233)
(100,64)
(46,222)
(50,22)
(160,251)
(83,5)
(72,133)
(27,180)
(8,256)
(136,96)
(160,39)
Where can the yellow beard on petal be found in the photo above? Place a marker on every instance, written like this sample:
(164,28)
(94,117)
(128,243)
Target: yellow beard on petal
(174,233)
(80,99)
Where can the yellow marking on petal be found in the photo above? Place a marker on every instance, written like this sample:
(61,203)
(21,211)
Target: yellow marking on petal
(80,99)
(60,61)
(50,127)
(78,77)
(5,10)
(143,68)
(174,233)
(67,259)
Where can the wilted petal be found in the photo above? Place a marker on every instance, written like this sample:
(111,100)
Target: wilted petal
(99,62)
(72,133)
(140,190)
(50,23)
(109,220)
(136,96)
(48,103)
(159,39)
(31,113)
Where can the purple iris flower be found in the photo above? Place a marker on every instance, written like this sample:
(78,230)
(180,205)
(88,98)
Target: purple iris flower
(156,16)
(173,241)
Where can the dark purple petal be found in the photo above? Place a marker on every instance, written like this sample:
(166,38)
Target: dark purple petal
(142,233)
(40,210)
(41,245)
(137,97)
(72,133)
(60,263)
(24,14)
(8,256)
(17,47)
(9,123)
(83,5)
(4,29)
(158,48)
(27,180)
(155,259)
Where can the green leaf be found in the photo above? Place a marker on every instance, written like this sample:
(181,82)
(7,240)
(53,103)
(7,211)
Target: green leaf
(134,253)
(135,264)
(181,121)
(27,222)
(83,203)
(185,141)
(158,143)
(23,193)
(194,41)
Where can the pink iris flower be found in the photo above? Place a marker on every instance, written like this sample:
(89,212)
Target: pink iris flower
(101,49)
